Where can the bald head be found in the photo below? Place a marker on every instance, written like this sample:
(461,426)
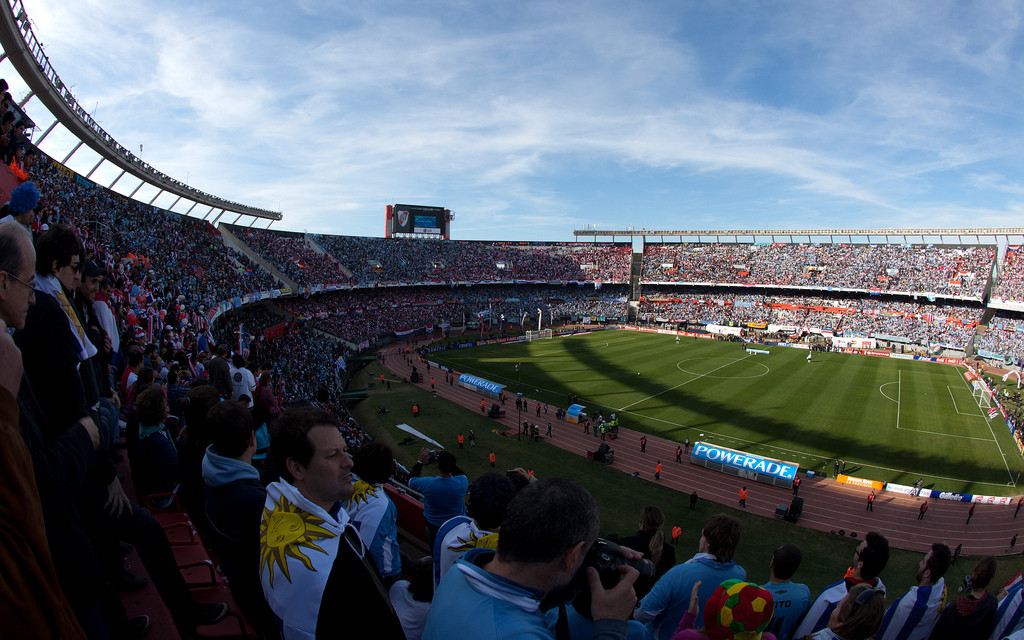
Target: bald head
(17,273)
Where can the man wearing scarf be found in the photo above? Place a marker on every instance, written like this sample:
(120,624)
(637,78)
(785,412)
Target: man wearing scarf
(316,572)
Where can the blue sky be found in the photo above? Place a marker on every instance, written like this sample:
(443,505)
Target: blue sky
(531,119)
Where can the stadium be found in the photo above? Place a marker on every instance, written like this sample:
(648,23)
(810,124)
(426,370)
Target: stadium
(824,370)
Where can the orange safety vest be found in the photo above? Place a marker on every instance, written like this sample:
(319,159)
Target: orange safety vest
(743,494)
(460,438)
(658,470)
(491,457)
(676,532)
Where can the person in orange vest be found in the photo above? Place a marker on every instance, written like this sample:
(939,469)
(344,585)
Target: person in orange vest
(483,406)
(743,497)
(657,471)
(491,458)
(382,378)
(871,501)
(676,532)
(461,440)
(796,485)
(431,384)
(415,410)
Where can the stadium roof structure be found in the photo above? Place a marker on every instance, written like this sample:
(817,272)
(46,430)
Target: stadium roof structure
(26,54)
(788,235)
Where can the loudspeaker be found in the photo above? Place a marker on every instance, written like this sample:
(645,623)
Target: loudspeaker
(795,509)
(780,511)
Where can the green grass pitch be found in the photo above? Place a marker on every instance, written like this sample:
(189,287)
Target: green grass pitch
(891,420)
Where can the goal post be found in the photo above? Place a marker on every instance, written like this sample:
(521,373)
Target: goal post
(538,335)
(982,395)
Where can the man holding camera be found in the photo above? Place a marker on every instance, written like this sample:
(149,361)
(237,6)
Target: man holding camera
(548,528)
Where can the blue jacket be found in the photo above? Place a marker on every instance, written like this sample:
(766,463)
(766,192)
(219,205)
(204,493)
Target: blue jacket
(664,606)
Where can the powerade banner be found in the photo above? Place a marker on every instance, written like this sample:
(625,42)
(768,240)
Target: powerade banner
(486,387)
(745,465)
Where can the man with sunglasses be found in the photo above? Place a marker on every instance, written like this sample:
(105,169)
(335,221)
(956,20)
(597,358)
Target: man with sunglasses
(869,560)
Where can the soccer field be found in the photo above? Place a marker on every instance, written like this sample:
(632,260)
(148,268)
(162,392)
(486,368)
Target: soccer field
(891,420)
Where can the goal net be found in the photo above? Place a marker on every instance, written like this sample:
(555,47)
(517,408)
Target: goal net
(982,396)
(538,335)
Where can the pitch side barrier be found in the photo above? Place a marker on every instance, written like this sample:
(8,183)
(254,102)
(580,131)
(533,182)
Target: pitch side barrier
(938,494)
(745,465)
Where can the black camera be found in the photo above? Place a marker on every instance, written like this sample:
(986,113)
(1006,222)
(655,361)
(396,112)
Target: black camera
(606,557)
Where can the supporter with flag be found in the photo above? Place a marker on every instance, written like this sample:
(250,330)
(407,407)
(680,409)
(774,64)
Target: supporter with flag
(315,570)
(486,501)
(371,509)
(1010,614)
(914,614)
(869,559)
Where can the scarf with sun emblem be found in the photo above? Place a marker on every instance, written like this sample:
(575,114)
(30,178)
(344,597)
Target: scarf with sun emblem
(299,542)
(454,539)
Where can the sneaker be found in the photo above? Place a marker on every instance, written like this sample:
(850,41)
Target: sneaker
(136,627)
(212,613)
(129,582)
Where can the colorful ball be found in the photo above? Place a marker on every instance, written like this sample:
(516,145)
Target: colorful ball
(739,610)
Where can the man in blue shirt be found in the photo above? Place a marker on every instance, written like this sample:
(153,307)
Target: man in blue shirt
(444,495)
(791,598)
(664,606)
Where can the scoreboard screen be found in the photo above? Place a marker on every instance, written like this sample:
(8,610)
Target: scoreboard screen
(418,219)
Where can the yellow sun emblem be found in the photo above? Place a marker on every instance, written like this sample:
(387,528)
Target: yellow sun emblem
(283,532)
(362,491)
(489,541)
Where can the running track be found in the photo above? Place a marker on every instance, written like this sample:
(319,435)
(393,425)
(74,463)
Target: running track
(828,505)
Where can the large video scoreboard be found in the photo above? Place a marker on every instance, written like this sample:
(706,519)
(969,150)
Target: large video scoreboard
(418,220)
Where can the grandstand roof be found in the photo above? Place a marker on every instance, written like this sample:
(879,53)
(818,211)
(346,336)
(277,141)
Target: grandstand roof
(26,54)
(789,234)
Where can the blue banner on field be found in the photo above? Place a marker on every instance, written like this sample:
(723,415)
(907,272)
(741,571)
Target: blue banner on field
(748,465)
(480,385)
(947,495)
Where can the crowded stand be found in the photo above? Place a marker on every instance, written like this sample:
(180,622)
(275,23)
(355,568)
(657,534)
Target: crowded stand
(293,257)
(960,270)
(365,316)
(392,260)
(163,261)
(1004,337)
(920,322)
(1011,277)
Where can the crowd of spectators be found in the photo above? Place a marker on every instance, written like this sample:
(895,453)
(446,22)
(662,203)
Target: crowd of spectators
(393,260)
(919,322)
(364,316)
(1004,336)
(163,262)
(959,270)
(1011,278)
(289,252)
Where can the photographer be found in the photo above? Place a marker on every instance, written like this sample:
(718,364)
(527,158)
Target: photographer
(548,529)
